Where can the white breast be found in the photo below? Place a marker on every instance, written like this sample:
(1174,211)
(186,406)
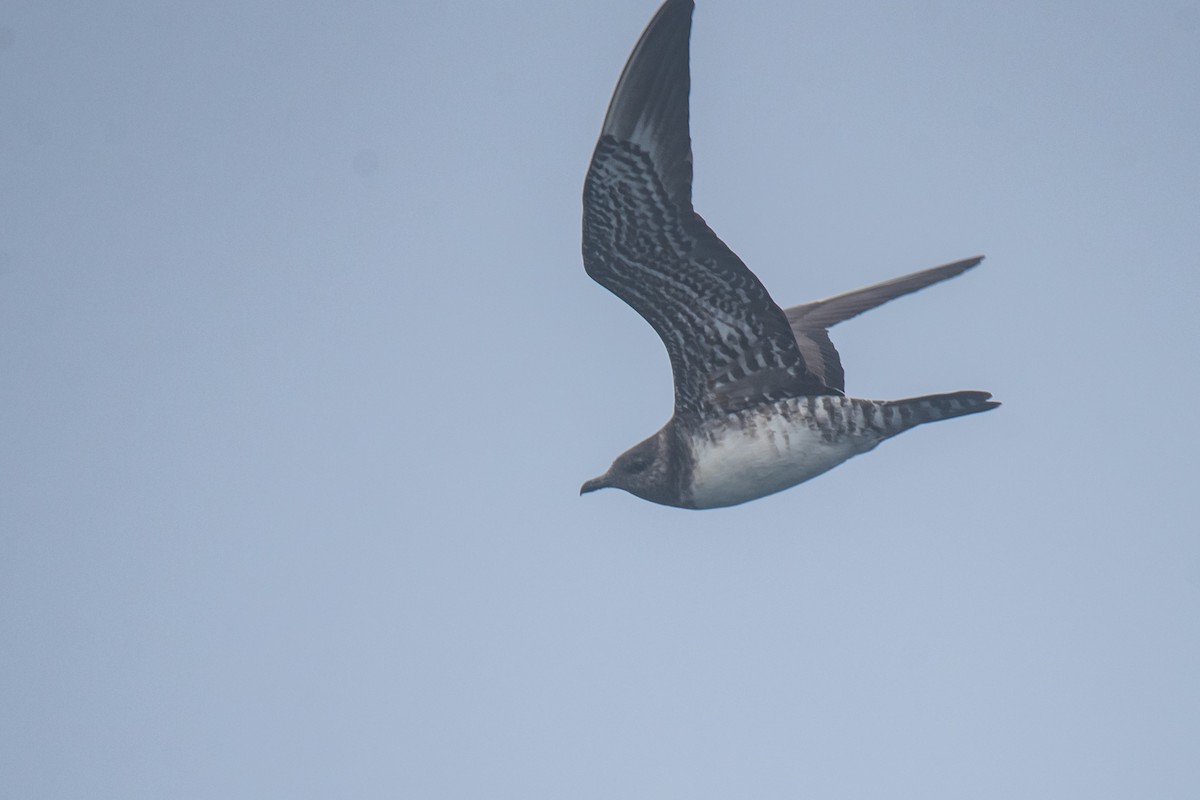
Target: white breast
(743,461)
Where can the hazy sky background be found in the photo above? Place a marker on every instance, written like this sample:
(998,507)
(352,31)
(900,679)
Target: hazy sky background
(300,374)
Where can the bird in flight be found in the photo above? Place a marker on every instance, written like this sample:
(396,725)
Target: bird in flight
(759,390)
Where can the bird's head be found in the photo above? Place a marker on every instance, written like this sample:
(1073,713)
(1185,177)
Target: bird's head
(643,470)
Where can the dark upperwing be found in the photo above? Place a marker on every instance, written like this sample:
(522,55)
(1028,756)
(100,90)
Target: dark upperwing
(730,345)
(811,321)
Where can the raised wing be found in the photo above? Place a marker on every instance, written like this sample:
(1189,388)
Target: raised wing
(811,322)
(730,345)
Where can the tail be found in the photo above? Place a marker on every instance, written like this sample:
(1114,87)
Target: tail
(914,411)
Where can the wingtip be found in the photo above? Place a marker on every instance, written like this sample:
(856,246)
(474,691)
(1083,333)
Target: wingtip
(962,265)
(661,49)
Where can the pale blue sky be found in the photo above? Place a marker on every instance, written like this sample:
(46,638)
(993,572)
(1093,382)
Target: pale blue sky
(300,373)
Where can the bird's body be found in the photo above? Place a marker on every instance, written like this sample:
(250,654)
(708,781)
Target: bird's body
(759,401)
(772,448)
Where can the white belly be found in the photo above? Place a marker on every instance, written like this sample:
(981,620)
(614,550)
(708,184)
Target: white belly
(744,463)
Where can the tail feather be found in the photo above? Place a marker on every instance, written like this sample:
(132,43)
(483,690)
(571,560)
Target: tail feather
(913,411)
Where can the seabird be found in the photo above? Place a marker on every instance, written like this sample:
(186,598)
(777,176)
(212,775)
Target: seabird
(759,391)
